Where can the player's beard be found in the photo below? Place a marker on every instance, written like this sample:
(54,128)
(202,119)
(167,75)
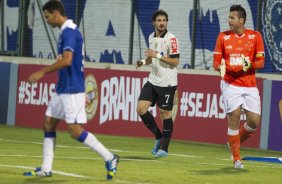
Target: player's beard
(231,27)
(161,29)
(235,28)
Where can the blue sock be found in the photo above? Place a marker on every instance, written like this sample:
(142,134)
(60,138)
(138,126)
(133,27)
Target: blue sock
(50,134)
(82,136)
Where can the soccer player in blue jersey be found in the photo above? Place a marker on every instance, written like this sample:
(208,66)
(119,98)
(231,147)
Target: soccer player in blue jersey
(69,101)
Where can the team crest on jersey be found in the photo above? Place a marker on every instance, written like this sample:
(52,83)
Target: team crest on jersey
(272,30)
(92,96)
(226,37)
(252,36)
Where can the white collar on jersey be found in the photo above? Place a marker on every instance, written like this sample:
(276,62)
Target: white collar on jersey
(68,23)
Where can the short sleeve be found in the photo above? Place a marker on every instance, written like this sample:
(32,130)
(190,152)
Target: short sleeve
(260,46)
(218,46)
(69,37)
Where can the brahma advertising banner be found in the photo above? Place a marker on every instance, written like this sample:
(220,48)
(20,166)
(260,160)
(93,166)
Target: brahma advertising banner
(198,111)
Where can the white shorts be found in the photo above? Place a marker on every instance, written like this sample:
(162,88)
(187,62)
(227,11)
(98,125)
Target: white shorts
(246,97)
(68,107)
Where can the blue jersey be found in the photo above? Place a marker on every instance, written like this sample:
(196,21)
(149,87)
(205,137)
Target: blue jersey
(71,78)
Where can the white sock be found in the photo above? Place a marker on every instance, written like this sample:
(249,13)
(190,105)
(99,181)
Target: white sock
(92,142)
(48,153)
(232,132)
(248,128)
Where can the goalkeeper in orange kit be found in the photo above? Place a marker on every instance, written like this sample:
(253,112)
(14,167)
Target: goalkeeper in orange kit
(238,53)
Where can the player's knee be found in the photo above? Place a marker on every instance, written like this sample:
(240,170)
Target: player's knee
(140,110)
(253,120)
(165,114)
(74,131)
(72,134)
(47,125)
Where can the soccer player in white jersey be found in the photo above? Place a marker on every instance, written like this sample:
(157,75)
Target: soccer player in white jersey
(69,101)
(163,56)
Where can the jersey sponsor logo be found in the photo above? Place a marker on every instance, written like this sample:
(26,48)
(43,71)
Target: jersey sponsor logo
(173,45)
(237,60)
(252,36)
(91,90)
(229,47)
(272,30)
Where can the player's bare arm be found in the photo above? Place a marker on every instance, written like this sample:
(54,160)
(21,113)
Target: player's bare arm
(62,62)
(153,54)
(259,62)
(217,57)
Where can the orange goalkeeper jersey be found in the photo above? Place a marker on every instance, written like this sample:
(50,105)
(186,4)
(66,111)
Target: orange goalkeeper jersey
(233,48)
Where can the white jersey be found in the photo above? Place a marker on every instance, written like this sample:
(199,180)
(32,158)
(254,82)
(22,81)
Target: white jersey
(163,74)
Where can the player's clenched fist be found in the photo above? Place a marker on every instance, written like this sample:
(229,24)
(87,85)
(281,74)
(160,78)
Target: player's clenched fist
(139,63)
(35,77)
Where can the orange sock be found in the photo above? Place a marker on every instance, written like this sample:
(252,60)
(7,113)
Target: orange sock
(234,143)
(245,132)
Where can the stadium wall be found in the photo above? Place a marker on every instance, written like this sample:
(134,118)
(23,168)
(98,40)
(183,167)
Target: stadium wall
(198,109)
(8,79)
(4,92)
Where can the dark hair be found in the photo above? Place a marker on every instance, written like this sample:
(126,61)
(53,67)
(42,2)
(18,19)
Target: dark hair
(157,13)
(241,11)
(54,5)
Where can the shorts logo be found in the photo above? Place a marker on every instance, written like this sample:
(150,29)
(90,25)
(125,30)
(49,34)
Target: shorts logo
(272,30)
(91,90)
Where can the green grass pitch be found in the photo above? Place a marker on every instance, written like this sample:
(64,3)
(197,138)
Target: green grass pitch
(188,162)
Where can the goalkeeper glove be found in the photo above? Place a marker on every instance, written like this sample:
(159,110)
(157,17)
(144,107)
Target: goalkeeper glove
(222,68)
(246,63)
